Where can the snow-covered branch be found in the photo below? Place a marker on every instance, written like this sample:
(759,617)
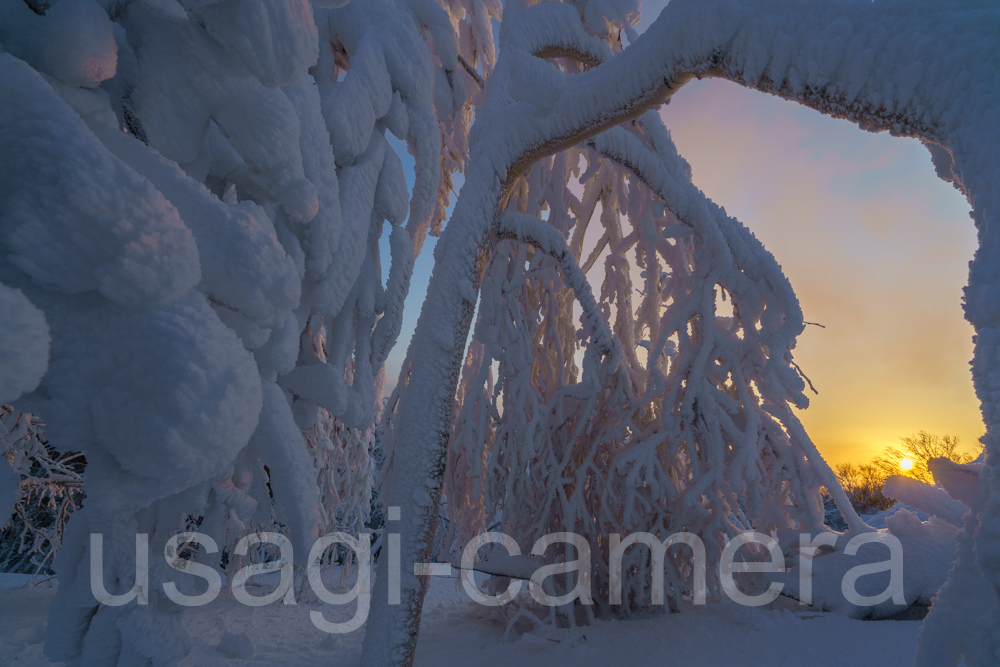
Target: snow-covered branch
(531,230)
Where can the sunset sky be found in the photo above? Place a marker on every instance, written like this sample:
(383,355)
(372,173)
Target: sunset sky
(875,245)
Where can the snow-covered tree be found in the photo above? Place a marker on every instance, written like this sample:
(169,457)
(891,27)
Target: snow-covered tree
(192,195)
(926,70)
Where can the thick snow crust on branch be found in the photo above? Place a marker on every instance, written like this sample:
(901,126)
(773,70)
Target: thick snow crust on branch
(24,345)
(191,203)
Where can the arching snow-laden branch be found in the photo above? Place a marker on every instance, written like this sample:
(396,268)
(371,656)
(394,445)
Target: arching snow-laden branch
(930,73)
(693,431)
(192,199)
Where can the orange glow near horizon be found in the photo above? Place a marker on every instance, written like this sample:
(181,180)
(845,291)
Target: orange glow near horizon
(875,246)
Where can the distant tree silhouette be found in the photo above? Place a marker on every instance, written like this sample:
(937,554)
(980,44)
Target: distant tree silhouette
(863,485)
(919,448)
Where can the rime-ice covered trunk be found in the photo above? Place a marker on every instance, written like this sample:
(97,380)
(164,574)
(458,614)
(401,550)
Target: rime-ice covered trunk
(916,69)
(433,365)
(431,373)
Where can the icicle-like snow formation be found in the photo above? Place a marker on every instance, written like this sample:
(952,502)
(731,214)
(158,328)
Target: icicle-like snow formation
(192,197)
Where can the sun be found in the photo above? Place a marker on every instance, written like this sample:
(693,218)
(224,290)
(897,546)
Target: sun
(906,464)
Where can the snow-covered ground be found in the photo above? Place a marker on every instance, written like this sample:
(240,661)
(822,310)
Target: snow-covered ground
(457,631)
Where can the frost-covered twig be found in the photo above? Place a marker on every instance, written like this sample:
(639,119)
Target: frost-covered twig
(51,489)
(531,230)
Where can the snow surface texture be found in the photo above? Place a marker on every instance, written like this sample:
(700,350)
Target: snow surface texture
(237,645)
(456,631)
(925,69)
(191,200)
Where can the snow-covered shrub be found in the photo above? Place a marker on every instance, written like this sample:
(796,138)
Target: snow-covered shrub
(49,488)
(863,485)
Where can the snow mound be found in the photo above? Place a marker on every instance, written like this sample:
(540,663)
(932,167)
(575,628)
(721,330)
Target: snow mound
(878,520)
(933,499)
(237,645)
